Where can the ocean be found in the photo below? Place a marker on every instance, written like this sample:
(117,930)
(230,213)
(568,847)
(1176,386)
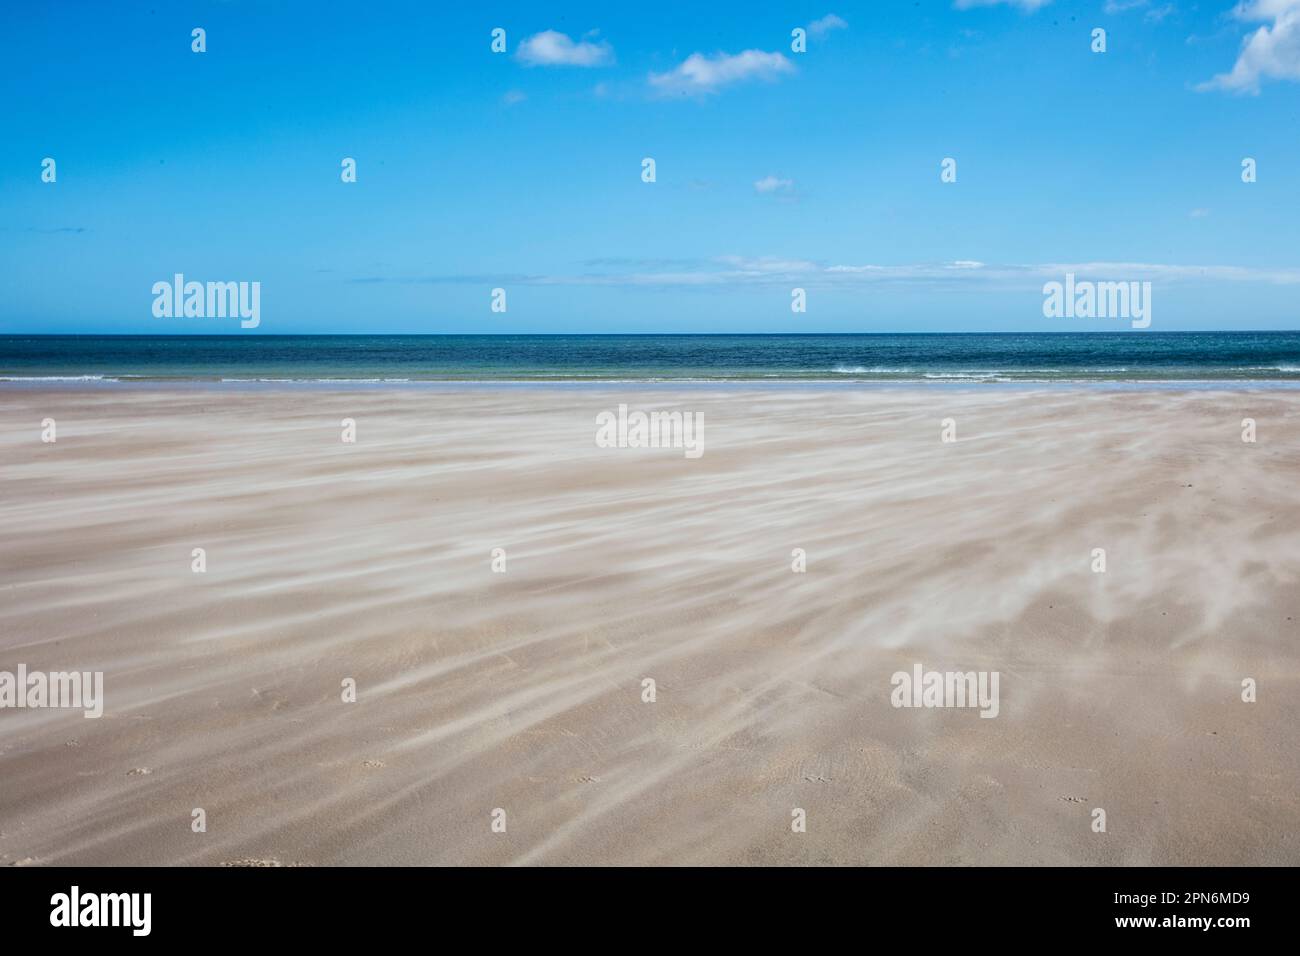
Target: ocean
(959,358)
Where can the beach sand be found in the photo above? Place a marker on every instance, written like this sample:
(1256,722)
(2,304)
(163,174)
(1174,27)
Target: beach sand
(522,690)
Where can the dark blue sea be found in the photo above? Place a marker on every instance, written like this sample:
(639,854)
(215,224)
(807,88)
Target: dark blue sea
(1164,357)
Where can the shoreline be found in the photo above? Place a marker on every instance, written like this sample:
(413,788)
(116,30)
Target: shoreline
(78,383)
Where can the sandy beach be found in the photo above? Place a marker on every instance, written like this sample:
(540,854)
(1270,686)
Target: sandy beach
(522,690)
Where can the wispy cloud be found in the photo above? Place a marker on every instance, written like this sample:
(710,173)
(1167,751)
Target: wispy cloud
(771,184)
(1152,14)
(633,262)
(825,25)
(552,48)
(514,96)
(739,271)
(1028,5)
(1271,52)
(700,74)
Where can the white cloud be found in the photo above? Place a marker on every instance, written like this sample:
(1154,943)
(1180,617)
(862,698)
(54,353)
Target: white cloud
(1271,52)
(1199,213)
(825,25)
(770,184)
(707,74)
(514,96)
(1027,5)
(552,48)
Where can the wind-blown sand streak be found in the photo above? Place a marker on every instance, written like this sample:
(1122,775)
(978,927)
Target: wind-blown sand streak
(522,690)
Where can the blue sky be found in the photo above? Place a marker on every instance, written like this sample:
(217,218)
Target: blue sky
(774,169)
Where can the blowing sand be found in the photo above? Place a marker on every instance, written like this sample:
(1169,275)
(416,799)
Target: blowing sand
(522,690)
